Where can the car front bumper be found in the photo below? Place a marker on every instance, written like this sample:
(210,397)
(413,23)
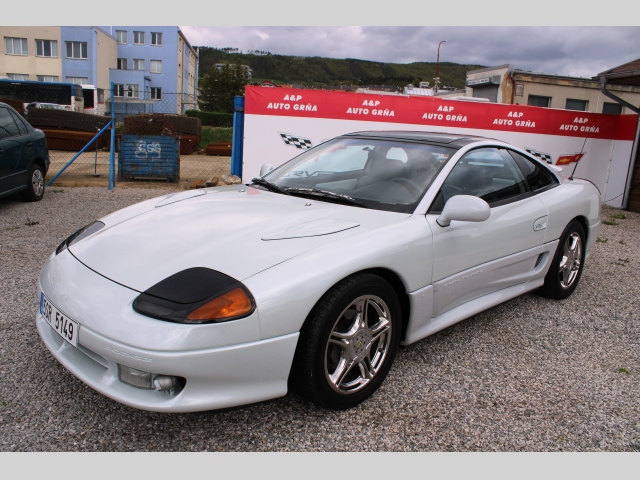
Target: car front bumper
(225,365)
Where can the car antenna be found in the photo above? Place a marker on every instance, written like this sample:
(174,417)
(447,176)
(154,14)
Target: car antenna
(576,167)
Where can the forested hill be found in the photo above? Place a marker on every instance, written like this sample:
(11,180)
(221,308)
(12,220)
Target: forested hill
(320,71)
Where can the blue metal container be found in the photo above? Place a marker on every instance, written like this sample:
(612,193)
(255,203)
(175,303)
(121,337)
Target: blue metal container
(149,156)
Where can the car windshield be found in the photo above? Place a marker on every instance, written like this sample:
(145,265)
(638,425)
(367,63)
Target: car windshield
(380,174)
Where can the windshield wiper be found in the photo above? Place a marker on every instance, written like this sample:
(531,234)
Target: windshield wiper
(268,185)
(315,192)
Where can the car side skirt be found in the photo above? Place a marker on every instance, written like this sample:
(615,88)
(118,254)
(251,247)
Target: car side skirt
(422,323)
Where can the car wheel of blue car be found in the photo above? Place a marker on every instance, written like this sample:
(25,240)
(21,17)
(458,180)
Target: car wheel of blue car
(348,342)
(35,185)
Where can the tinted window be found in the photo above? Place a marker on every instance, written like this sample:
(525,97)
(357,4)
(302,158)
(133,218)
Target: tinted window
(8,127)
(21,127)
(487,173)
(538,178)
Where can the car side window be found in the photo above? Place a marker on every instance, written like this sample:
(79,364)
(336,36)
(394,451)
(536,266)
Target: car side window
(487,173)
(21,127)
(538,177)
(8,127)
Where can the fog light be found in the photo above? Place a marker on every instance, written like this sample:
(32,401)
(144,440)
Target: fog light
(164,383)
(136,378)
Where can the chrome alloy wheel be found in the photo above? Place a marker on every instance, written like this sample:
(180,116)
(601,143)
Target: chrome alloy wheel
(37,182)
(570,261)
(358,344)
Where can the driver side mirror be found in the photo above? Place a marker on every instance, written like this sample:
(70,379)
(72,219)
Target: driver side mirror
(466,208)
(266,168)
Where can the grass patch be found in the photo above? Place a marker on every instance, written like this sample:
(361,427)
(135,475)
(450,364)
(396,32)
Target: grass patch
(12,228)
(602,240)
(610,222)
(57,190)
(215,135)
(623,370)
(621,242)
(619,216)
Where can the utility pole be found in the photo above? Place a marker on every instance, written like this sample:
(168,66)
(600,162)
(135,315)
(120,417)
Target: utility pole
(436,80)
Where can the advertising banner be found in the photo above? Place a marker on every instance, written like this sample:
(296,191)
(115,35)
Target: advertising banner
(281,123)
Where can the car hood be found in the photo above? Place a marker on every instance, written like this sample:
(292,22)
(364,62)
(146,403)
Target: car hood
(237,230)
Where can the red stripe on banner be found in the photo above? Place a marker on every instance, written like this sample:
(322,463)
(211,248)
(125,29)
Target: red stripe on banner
(432,111)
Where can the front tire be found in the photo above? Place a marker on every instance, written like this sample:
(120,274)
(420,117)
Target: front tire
(565,271)
(348,343)
(35,184)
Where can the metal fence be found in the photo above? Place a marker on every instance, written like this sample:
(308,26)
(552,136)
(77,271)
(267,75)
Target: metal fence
(154,141)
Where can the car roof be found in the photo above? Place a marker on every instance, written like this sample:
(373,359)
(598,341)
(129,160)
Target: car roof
(452,139)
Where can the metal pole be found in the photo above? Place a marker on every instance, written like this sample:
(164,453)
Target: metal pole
(437,79)
(112,169)
(79,153)
(238,136)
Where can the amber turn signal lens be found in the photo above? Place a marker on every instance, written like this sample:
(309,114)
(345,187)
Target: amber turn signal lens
(232,304)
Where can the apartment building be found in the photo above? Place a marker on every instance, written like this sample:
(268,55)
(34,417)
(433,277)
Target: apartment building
(145,63)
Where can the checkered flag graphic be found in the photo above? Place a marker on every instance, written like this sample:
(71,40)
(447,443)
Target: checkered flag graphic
(298,142)
(541,155)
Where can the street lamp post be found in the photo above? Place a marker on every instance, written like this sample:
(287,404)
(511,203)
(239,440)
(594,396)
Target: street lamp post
(436,80)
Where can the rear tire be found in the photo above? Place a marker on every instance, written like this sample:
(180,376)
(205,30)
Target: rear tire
(567,264)
(35,184)
(348,343)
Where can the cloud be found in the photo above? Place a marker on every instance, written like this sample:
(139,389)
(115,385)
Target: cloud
(572,50)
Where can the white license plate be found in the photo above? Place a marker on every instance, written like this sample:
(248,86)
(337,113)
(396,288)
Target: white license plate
(61,323)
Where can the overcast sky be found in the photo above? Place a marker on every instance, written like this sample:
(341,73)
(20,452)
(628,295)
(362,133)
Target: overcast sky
(593,41)
(575,51)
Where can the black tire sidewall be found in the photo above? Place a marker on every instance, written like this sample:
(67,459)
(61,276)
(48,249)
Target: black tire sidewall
(552,287)
(323,322)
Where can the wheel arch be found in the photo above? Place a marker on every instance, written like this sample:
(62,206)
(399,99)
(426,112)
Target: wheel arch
(585,224)
(399,288)
(393,279)
(40,162)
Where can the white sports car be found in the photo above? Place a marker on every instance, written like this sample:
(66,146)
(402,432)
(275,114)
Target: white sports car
(311,276)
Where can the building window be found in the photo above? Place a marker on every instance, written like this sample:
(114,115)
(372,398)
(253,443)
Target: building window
(132,90)
(156,39)
(18,76)
(138,38)
(48,78)
(46,48)
(155,66)
(138,64)
(539,101)
(118,90)
(121,36)
(121,64)
(78,80)
(519,90)
(156,93)
(612,108)
(77,50)
(573,104)
(16,46)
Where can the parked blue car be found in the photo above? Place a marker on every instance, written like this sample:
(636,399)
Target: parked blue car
(24,156)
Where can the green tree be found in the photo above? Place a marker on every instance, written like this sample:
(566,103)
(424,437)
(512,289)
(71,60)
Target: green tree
(220,85)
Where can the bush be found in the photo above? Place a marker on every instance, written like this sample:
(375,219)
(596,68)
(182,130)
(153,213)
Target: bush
(215,135)
(212,119)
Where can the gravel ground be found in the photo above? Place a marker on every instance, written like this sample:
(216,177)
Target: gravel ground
(529,375)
